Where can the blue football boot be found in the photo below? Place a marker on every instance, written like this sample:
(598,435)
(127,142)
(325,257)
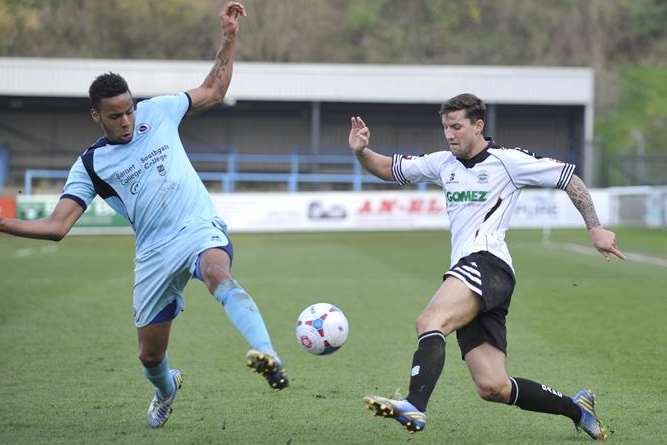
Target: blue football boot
(589,422)
(402,411)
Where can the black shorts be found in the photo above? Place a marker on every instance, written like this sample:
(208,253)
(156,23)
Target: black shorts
(492,280)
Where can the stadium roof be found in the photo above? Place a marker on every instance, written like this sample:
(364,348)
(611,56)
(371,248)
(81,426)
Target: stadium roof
(52,77)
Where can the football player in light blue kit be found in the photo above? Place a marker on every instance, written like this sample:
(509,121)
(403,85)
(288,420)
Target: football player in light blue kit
(142,171)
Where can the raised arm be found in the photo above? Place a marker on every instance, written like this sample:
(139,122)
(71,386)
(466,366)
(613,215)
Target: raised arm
(53,227)
(377,164)
(212,91)
(604,240)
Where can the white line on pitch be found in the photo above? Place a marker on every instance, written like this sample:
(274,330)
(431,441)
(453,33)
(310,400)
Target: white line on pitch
(29,251)
(638,257)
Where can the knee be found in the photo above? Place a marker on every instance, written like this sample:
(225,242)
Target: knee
(494,391)
(150,359)
(433,321)
(214,274)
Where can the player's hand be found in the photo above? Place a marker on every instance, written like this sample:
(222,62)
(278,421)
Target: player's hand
(229,19)
(360,135)
(605,242)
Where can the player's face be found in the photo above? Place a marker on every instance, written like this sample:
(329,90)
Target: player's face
(462,135)
(116,117)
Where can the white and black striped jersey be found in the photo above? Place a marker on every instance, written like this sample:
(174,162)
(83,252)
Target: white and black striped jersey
(481,192)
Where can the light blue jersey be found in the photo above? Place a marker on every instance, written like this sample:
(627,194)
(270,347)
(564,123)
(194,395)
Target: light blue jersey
(150,180)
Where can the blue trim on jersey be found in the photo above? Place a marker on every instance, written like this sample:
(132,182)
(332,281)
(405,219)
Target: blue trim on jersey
(101,142)
(189,101)
(101,188)
(75,199)
(168,313)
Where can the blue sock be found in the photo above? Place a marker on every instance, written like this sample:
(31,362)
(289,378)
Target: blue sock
(161,379)
(244,314)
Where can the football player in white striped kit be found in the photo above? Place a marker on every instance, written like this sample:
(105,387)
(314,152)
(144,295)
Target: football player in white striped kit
(481,181)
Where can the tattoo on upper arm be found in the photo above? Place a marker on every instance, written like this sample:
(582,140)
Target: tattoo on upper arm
(582,200)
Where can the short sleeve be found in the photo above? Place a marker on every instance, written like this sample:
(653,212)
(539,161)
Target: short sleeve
(173,106)
(79,187)
(414,169)
(526,169)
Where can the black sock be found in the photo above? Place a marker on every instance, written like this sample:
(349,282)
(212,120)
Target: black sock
(427,364)
(533,396)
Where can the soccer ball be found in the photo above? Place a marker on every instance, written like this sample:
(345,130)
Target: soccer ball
(321,329)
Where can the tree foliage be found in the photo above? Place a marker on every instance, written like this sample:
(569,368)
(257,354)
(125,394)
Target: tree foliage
(508,32)
(639,121)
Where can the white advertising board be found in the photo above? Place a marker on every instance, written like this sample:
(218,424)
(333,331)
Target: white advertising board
(323,211)
(246,212)
(384,210)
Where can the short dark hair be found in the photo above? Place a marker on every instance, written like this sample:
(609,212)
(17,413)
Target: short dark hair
(106,85)
(473,106)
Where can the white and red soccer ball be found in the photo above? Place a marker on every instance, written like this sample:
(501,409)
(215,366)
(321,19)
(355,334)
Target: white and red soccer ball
(321,329)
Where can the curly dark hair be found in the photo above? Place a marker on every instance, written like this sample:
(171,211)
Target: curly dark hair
(473,106)
(106,85)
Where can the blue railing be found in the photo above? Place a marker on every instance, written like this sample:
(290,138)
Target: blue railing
(293,176)
(31,174)
(4,165)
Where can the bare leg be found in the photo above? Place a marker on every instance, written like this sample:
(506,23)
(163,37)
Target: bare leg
(486,364)
(487,368)
(239,306)
(452,306)
(153,341)
(244,315)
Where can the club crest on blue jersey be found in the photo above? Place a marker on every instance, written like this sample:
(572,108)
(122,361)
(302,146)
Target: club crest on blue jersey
(161,170)
(143,128)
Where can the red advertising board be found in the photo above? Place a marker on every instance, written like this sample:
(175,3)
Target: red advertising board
(8,206)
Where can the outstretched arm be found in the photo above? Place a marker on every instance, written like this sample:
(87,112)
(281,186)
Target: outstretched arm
(377,164)
(604,240)
(53,228)
(212,91)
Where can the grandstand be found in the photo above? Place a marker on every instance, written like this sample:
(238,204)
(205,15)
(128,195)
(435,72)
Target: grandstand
(278,110)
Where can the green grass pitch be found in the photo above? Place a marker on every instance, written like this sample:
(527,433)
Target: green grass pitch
(70,373)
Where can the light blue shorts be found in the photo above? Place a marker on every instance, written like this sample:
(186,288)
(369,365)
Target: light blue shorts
(161,274)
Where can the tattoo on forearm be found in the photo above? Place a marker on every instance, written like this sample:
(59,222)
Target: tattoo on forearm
(581,199)
(217,73)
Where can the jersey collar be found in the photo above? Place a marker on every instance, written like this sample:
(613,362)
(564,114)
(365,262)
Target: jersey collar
(479,157)
(101,142)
